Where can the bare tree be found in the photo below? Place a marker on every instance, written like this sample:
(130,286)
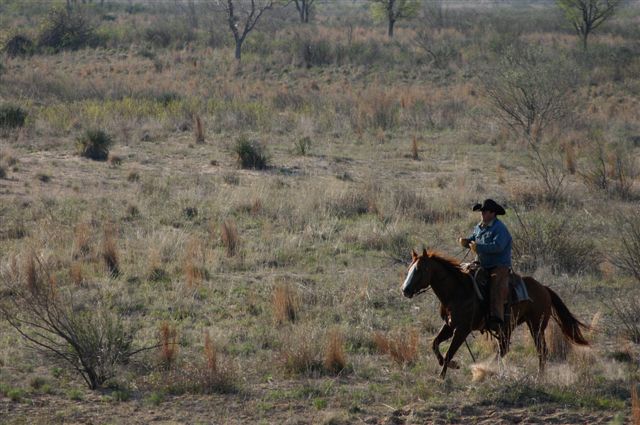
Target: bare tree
(587,15)
(529,90)
(304,9)
(242,17)
(393,10)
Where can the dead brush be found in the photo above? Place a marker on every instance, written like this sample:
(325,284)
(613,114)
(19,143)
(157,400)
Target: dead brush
(334,357)
(402,345)
(168,345)
(110,251)
(285,304)
(229,237)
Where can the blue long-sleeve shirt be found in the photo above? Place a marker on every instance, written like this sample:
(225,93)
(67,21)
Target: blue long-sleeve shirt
(493,243)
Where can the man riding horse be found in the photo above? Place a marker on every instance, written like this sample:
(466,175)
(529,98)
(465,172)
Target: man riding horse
(491,242)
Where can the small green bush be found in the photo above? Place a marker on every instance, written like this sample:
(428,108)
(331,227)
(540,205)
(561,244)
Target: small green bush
(250,154)
(94,144)
(12,116)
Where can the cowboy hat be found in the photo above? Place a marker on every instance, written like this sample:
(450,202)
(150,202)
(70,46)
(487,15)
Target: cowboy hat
(489,205)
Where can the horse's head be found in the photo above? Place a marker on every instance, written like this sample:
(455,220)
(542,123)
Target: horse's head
(418,276)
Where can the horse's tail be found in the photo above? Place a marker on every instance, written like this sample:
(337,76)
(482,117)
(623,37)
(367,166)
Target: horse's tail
(568,323)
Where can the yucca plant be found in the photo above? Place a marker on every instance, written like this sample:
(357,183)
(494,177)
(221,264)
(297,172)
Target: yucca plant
(94,144)
(250,154)
(12,116)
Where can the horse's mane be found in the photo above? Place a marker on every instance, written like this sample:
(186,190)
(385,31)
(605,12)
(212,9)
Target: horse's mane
(449,263)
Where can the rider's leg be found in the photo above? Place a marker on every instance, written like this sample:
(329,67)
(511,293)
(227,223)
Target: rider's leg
(499,278)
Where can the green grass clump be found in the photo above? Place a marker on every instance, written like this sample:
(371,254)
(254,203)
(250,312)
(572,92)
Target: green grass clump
(250,154)
(94,144)
(12,116)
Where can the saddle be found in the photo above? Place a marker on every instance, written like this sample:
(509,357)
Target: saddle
(480,277)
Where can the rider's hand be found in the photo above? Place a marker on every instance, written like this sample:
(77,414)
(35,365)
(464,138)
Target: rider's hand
(464,242)
(473,247)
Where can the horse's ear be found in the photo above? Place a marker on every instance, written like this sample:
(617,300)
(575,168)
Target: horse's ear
(424,252)
(414,254)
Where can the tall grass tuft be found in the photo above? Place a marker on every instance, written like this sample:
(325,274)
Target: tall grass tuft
(402,346)
(199,131)
(193,266)
(229,237)
(76,274)
(299,353)
(82,242)
(635,405)
(334,356)
(168,345)
(285,304)
(110,252)
(414,149)
(557,345)
(215,375)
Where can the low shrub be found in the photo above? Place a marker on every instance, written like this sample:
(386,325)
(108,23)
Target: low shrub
(94,144)
(18,45)
(626,256)
(85,335)
(250,154)
(12,116)
(62,30)
(554,240)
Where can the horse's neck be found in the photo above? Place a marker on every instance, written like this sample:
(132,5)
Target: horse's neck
(446,284)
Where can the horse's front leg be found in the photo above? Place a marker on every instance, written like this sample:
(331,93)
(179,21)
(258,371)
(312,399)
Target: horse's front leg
(444,334)
(459,335)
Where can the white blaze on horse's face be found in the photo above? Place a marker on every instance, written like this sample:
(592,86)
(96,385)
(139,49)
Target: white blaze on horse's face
(409,279)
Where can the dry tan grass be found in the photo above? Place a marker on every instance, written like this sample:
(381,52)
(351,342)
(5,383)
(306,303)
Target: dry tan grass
(480,372)
(334,357)
(402,345)
(285,302)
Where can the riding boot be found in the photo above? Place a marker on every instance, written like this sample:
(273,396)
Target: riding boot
(499,281)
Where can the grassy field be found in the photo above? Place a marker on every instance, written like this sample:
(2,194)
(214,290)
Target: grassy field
(272,294)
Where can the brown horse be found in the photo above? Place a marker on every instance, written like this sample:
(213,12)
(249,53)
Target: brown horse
(462,311)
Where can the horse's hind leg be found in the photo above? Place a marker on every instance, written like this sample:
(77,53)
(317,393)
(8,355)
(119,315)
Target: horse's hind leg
(537,333)
(445,333)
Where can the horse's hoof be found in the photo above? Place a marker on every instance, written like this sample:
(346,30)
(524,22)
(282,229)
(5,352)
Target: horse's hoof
(454,365)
